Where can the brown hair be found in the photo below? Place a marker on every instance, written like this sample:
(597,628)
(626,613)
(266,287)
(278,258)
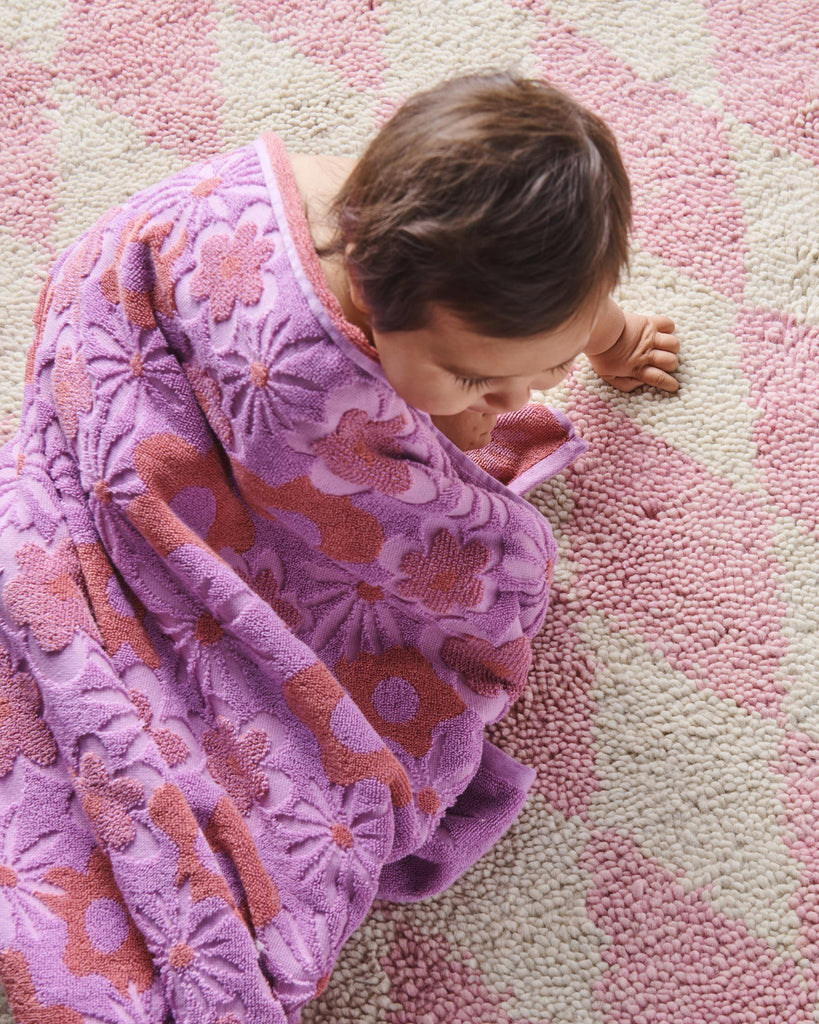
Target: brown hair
(496,196)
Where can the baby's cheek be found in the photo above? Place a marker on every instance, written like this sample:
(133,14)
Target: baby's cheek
(549,381)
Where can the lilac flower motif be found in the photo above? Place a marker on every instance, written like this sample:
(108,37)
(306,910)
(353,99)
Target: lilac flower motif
(34,834)
(229,271)
(267,586)
(264,378)
(20,907)
(335,840)
(201,950)
(303,945)
(132,374)
(350,614)
(135,1007)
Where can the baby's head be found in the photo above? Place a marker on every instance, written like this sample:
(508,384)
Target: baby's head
(494,202)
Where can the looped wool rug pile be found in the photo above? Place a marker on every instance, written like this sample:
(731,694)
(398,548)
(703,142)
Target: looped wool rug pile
(665,867)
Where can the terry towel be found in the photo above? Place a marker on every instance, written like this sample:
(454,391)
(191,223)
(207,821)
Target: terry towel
(255,613)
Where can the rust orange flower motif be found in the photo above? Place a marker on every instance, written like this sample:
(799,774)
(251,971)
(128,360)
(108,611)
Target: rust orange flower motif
(117,628)
(72,389)
(140,277)
(447,577)
(81,261)
(227,832)
(489,670)
(169,809)
(102,937)
(400,695)
(229,271)
(46,595)
(267,587)
(167,465)
(23,995)
(209,396)
(172,747)
(363,451)
(206,187)
(108,802)
(22,730)
(314,695)
(235,762)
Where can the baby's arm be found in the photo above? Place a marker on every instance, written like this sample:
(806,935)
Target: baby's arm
(628,350)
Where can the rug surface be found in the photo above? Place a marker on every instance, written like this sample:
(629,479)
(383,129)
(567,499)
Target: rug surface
(666,865)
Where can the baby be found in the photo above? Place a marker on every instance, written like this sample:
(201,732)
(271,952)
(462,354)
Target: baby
(476,244)
(256,611)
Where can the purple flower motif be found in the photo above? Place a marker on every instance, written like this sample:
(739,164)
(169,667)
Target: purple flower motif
(132,372)
(303,945)
(34,834)
(264,381)
(229,271)
(335,839)
(201,949)
(350,614)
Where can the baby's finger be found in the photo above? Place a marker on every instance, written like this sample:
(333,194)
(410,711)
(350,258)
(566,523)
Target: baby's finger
(624,383)
(666,360)
(658,378)
(663,323)
(669,342)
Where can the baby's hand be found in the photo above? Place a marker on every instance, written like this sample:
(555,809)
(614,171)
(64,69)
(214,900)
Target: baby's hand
(468,429)
(645,353)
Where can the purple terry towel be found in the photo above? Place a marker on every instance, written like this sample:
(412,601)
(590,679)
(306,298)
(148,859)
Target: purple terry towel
(255,613)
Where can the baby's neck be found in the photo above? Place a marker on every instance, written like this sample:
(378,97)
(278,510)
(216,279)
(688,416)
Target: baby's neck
(318,179)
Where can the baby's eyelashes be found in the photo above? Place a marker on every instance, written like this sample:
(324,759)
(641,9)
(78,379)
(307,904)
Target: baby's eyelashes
(544,380)
(564,367)
(474,382)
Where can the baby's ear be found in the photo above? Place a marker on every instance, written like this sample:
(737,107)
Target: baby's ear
(355,291)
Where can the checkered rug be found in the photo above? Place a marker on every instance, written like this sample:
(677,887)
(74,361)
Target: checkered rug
(665,869)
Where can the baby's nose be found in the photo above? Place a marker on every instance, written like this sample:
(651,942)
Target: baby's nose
(508,398)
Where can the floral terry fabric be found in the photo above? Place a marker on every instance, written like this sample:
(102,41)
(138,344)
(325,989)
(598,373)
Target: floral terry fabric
(256,612)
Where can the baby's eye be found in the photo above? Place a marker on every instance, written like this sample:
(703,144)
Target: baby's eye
(473,382)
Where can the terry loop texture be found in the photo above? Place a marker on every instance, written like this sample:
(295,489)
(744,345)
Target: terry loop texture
(666,867)
(255,614)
